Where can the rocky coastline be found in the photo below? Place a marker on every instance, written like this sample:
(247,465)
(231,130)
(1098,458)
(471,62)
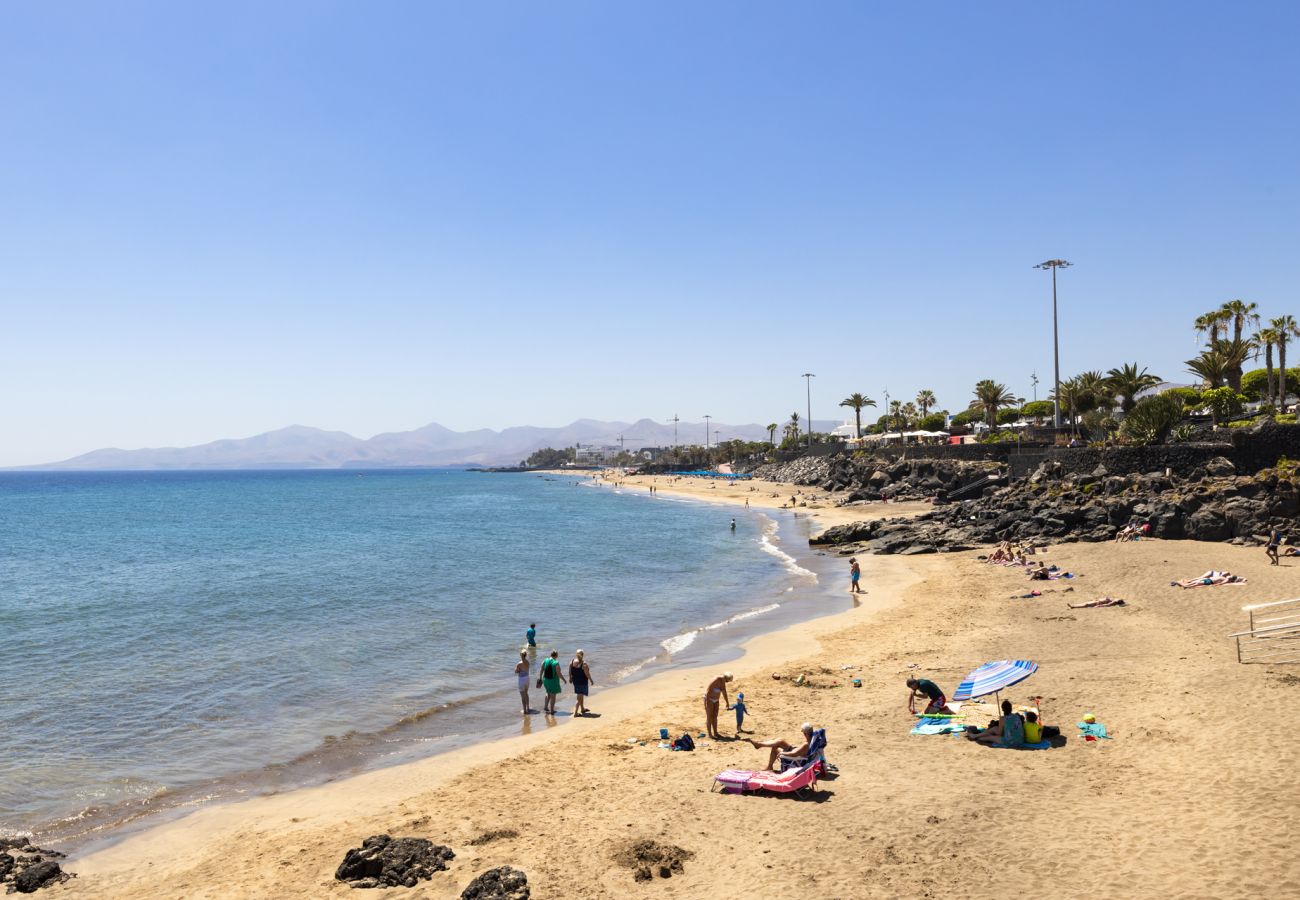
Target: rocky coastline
(1213,502)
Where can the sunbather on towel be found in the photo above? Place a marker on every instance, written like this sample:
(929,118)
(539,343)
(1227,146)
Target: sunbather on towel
(1096,604)
(783,748)
(1211,577)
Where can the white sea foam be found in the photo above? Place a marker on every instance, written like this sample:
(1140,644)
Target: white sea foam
(679,642)
(792,566)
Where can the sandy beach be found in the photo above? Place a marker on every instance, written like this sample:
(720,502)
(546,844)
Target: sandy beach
(1192,797)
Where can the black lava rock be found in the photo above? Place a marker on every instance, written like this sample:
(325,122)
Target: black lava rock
(503,883)
(383,861)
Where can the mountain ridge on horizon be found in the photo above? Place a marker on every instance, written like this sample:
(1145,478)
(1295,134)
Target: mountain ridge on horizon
(431,445)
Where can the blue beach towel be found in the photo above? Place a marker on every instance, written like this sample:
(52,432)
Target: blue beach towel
(1093,729)
(1041,745)
(937,725)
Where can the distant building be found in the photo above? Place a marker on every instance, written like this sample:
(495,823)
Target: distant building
(594,455)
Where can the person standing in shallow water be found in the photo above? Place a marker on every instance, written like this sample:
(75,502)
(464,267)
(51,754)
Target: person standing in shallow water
(522,678)
(532,634)
(550,679)
(855,574)
(580,678)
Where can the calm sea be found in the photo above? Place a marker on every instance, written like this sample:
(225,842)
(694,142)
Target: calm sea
(171,638)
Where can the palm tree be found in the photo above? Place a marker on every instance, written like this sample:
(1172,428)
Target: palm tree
(771,433)
(1211,323)
(1239,313)
(1128,382)
(794,424)
(925,400)
(1068,398)
(896,411)
(1210,366)
(1094,391)
(909,414)
(991,396)
(1267,338)
(1286,328)
(856,402)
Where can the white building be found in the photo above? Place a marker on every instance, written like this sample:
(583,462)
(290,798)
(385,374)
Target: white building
(594,455)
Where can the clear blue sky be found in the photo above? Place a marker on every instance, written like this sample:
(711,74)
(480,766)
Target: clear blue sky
(224,218)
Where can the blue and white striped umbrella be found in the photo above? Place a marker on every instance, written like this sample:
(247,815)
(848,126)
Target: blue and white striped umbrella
(993,677)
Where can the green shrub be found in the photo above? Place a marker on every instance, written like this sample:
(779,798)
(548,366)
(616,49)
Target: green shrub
(1038,409)
(933,422)
(1152,419)
(1222,402)
(1190,397)
(1009,415)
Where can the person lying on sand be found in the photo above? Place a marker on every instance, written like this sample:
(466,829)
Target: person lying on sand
(924,687)
(1211,577)
(1096,604)
(784,749)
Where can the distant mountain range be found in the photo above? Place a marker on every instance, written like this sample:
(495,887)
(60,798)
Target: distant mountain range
(302,447)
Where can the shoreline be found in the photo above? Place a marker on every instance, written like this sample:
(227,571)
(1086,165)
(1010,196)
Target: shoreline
(641,683)
(110,869)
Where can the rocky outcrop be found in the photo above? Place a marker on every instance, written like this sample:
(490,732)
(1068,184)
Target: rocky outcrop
(806,470)
(867,478)
(383,861)
(1091,507)
(26,869)
(503,883)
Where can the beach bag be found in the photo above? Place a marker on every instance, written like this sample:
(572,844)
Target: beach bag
(684,743)
(1050,732)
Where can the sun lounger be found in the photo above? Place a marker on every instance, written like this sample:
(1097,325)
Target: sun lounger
(788,782)
(816,754)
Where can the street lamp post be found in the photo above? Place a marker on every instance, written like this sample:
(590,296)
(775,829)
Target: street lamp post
(706,433)
(807,378)
(1055,264)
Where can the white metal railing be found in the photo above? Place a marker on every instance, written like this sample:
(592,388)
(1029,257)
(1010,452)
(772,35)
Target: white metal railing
(1274,633)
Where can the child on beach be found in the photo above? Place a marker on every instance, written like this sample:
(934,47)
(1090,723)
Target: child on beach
(855,574)
(741,709)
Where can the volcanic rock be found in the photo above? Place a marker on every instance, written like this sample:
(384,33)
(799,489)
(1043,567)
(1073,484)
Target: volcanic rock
(383,861)
(503,883)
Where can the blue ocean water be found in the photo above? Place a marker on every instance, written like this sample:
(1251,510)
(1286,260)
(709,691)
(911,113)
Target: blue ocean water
(173,637)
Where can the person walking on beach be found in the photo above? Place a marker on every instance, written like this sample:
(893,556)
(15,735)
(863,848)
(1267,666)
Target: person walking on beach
(855,573)
(924,687)
(550,679)
(1274,541)
(715,694)
(532,635)
(522,678)
(580,678)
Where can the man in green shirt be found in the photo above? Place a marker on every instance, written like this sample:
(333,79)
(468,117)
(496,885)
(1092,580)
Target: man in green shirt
(924,687)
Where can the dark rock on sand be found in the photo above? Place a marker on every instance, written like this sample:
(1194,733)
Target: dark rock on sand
(383,861)
(503,883)
(37,876)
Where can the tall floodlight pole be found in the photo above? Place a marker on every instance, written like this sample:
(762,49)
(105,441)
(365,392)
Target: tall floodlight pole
(706,433)
(1033,377)
(675,421)
(807,379)
(1055,264)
